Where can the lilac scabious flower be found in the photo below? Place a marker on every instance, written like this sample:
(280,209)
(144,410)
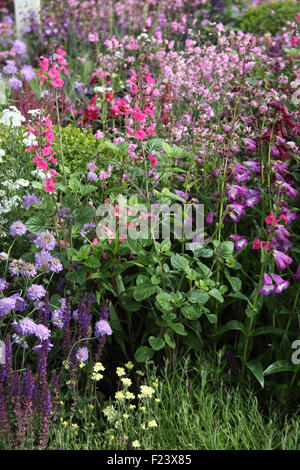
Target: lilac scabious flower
(20,303)
(45,241)
(19,46)
(36,292)
(86,227)
(15,83)
(282,260)
(102,327)
(27,72)
(15,267)
(91,176)
(239,242)
(7,304)
(24,327)
(17,228)
(57,317)
(55,265)
(20,340)
(42,260)
(10,68)
(42,332)
(3,284)
(28,270)
(29,200)
(82,354)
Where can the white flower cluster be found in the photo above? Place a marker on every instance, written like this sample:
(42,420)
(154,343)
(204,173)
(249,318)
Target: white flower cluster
(12,117)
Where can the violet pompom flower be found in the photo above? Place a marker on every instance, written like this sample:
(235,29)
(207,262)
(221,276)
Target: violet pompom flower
(7,304)
(36,292)
(28,270)
(15,83)
(55,265)
(15,267)
(102,327)
(45,241)
(19,46)
(26,326)
(82,354)
(17,228)
(29,200)
(27,72)
(91,176)
(20,303)
(3,284)
(42,332)
(42,260)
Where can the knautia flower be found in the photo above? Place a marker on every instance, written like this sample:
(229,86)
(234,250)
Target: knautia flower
(45,241)
(17,228)
(19,46)
(82,354)
(7,304)
(20,303)
(15,267)
(55,265)
(28,270)
(29,200)
(102,327)
(26,326)
(42,332)
(3,284)
(36,292)
(42,260)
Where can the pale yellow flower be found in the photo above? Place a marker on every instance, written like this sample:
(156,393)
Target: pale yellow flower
(125,415)
(120,371)
(126,382)
(129,395)
(146,391)
(98,366)
(132,407)
(136,444)
(152,424)
(129,365)
(97,376)
(119,396)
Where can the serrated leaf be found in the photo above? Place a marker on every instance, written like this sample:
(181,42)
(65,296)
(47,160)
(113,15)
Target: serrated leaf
(36,224)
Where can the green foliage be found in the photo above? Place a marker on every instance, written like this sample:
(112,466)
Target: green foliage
(260,19)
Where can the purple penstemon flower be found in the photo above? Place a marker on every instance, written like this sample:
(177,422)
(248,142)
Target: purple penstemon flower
(297,274)
(267,287)
(210,218)
(281,259)
(252,197)
(241,173)
(250,145)
(281,284)
(17,228)
(235,190)
(239,242)
(235,211)
(254,165)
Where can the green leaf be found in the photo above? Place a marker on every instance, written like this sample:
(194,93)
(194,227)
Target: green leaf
(92,262)
(87,189)
(191,312)
(279,366)
(84,214)
(265,330)
(164,299)
(205,253)
(257,370)
(196,296)
(156,343)
(232,325)
(239,295)
(74,184)
(180,262)
(143,354)
(212,318)
(178,328)
(143,292)
(37,224)
(235,282)
(216,294)
(169,341)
